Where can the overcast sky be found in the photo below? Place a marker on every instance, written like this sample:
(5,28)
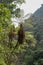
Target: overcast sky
(31,6)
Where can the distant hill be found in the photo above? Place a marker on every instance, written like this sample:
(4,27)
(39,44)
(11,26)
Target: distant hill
(39,12)
(36,20)
(37,17)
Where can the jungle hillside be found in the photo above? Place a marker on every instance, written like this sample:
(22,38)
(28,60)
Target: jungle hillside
(26,47)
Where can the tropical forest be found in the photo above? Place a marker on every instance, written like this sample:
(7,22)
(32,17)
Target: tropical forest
(21,37)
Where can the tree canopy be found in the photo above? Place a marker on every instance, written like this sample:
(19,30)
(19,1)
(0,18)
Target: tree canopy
(12,6)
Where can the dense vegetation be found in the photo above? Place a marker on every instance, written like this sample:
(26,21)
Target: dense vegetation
(26,53)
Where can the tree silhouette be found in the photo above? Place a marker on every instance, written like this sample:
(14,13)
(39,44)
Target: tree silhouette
(21,36)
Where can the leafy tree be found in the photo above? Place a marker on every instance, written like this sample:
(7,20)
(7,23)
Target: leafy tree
(5,20)
(6,12)
(5,16)
(12,6)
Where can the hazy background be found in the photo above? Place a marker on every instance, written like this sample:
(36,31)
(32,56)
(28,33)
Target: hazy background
(30,6)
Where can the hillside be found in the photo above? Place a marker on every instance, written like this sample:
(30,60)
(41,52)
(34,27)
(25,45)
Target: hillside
(36,20)
(19,47)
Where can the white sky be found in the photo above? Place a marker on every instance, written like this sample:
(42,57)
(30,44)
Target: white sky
(31,6)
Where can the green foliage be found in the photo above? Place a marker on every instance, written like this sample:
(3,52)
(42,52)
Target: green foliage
(27,26)
(10,1)
(29,36)
(4,17)
(9,4)
(17,12)
(37,27)
(2,63)
(24,54)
